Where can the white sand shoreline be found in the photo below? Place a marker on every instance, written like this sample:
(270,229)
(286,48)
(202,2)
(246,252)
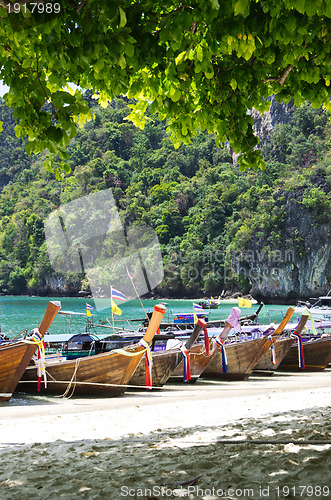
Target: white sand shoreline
(28,420)
(256,439)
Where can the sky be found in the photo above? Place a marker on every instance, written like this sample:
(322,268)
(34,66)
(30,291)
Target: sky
(3,89)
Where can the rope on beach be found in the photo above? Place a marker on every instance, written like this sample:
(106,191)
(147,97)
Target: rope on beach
(239,441)
(72,382)
(220,441)
(273,441)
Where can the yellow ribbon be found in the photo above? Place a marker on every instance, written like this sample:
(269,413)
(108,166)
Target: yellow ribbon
(37,339)
(306,312)
(143,343)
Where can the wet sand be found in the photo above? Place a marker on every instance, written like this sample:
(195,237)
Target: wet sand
(267,437)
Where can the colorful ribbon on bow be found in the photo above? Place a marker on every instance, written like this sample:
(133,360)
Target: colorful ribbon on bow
(233,319)
(273,352)
(148,364)
(206,340)
(306,312)
(224,365)
(41,369)
(187,368)
(300,350)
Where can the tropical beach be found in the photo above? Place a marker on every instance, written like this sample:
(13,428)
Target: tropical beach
(165,257)
(267,437)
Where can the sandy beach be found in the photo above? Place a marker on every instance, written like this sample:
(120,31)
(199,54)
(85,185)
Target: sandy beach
(267,437)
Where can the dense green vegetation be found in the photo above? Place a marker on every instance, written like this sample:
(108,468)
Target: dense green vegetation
(199,64)
(202,208)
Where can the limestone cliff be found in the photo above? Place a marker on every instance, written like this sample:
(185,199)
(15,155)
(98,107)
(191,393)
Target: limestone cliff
(299,268)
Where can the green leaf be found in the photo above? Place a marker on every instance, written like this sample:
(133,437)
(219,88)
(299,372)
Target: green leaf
(291,23)
(121,61)
(175,95)
(129,49)
(240,6)
(299,5)
(180,57)
(98,66)
(233,84)
(209,74)
(123,19)
(199,53)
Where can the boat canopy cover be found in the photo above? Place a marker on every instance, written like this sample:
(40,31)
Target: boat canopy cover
(190,315)
(51,338)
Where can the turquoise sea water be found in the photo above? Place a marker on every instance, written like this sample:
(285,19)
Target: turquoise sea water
(20,313)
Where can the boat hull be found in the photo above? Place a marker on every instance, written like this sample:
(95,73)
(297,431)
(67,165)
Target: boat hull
(106,374)
(14,358)
(281,346)
(198,362)
(242,357)
(164,363)
(316,352)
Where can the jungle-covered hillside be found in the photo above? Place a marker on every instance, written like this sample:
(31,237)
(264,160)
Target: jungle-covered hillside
(219,229)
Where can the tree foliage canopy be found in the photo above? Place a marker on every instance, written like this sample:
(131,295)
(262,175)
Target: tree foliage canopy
(200,64)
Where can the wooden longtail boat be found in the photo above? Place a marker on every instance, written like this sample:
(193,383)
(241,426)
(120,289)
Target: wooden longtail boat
(107,373)
(16,355)
(166,361)
(281,348)
(242,356)
(316,353)
(199,359)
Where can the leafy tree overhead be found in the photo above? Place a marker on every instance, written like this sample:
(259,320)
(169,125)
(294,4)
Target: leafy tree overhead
(200,64)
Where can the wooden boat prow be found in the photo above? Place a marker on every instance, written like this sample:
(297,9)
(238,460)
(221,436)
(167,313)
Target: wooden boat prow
(106,373)
(242,356)
(15,356)
(166,361)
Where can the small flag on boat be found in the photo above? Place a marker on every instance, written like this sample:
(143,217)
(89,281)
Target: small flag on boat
(89,309)
(244,302)
(115,309)
(197,307)
(115,294)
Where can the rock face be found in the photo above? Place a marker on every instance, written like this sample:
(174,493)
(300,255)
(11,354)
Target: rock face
(301,267)
(60,286)
(298,269)
(277,114)
(264,124)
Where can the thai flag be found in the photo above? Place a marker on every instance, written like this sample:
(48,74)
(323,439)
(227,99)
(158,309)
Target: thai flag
(89,309)
(115,294)
(197,307)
